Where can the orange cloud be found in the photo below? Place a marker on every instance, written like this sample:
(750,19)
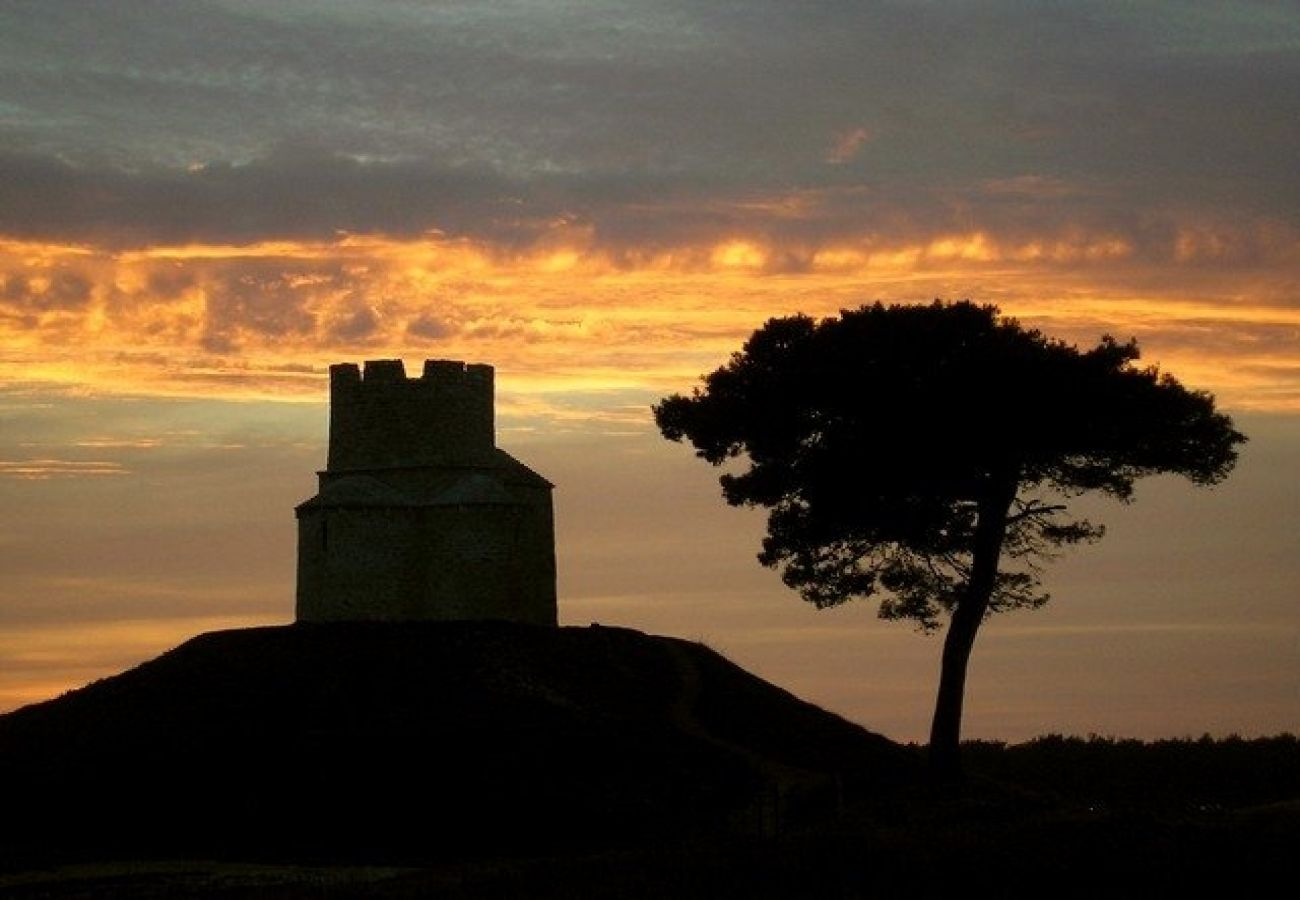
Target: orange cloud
(263,320)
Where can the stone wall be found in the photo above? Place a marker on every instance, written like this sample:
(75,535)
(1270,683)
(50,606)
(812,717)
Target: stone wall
(380,418)
(430,563)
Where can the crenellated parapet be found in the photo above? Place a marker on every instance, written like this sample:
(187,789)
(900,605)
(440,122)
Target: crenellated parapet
(380,418)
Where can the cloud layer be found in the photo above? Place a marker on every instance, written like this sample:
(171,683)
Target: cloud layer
(223,121)
(566,317)
(220,193)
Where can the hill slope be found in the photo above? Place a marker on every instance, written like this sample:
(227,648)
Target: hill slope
(425,741)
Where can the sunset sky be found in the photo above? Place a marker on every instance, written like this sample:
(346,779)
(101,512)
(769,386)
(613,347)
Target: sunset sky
(204,204)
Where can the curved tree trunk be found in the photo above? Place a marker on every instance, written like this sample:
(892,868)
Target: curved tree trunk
(990,530)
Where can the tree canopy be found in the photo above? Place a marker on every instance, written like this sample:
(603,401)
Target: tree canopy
(925,455)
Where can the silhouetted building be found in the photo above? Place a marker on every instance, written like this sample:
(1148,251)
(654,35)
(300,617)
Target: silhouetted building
(419,515)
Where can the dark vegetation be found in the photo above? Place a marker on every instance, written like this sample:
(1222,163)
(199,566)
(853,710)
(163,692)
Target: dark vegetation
(926,456)
(477,760)
(1188,776)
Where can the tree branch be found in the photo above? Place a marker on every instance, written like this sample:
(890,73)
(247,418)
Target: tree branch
(1033,509)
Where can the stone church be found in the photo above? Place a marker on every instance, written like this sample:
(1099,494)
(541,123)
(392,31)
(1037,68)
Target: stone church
(419,516)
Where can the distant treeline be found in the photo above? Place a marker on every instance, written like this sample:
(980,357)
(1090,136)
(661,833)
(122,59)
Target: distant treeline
(1198,775)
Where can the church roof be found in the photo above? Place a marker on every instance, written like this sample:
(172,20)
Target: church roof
(521,473)
(474,488)
(466,487)
(357,491)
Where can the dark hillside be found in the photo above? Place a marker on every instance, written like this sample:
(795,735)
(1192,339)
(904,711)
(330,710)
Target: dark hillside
(488,760)
(421,742)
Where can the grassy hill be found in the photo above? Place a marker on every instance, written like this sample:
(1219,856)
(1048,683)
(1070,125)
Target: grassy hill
(423,742)
(476,760)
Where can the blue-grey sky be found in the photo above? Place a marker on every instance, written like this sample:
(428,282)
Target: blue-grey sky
(153,121)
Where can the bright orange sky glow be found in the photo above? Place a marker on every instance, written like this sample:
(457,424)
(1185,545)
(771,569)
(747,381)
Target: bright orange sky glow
(260,320)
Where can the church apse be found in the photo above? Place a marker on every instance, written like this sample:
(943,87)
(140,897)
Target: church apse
(419,516)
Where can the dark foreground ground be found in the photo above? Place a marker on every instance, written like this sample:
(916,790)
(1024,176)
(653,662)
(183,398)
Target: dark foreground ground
(975,847)
(480,760)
